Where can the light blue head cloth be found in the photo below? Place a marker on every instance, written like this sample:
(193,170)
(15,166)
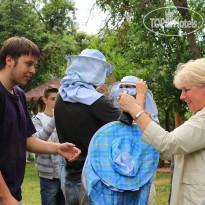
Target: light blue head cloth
(119,166)
(149,104)
(84,70)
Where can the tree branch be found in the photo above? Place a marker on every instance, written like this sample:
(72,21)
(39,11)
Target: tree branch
(189,31)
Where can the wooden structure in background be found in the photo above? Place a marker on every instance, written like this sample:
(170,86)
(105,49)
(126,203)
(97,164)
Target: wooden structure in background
(34,96)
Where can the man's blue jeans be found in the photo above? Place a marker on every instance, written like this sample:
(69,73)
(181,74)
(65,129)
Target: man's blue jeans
(51,193)
(72,192)
(61,171)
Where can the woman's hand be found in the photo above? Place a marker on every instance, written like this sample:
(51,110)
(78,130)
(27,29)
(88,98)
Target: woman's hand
(129,104)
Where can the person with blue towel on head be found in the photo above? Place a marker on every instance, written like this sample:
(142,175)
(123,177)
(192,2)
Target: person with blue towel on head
(80,110)
(141,92)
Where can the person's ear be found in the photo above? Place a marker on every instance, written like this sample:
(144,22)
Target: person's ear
(44,100)
(10,61)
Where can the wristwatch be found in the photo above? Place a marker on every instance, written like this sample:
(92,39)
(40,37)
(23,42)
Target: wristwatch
(138,114)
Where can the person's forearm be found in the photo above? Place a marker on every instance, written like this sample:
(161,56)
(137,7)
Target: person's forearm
(142,121)
(38,146)
(141,90)
(140,99)
(67,150)
(4,191)
(43,133)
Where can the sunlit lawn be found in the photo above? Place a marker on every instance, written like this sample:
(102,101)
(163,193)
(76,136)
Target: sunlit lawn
(31,187)
(162,184)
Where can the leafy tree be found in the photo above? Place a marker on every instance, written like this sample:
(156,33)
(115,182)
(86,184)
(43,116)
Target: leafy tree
(190,31)
(53,63)
(17,18)
(58,15)
(83,40)
(144,53)
(60,38)
(49,24)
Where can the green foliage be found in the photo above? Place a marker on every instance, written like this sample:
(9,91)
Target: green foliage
(162,185)
(134,50)
(58,15)
(17,18)
(82,40)
(52,63)
(51,25)
(31,185)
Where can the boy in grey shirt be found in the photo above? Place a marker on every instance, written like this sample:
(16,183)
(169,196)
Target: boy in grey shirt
(47,165)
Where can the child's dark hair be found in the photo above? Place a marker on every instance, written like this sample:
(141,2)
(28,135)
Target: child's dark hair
(50,89)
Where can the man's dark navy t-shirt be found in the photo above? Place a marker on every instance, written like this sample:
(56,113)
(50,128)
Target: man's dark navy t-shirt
(15,127)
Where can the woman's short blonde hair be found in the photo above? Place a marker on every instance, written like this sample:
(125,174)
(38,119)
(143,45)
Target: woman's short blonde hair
(192,72)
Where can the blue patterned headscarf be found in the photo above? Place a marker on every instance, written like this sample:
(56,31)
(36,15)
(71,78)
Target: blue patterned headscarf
(119,166)
(149,104)
(84,70)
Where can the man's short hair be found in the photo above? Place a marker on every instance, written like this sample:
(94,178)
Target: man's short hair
(50,89)
(16,47)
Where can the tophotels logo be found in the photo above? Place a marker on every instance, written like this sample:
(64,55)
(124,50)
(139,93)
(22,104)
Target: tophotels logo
(170,22)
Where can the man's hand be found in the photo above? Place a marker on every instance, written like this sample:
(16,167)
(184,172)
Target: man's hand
(69,151)
(9,201)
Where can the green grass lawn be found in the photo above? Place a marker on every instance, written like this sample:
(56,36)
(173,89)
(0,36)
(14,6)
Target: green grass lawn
(162,184)
(31,187)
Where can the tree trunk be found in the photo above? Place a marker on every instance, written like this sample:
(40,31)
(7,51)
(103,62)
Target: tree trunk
(177,119)
(190,31)
(167,120)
